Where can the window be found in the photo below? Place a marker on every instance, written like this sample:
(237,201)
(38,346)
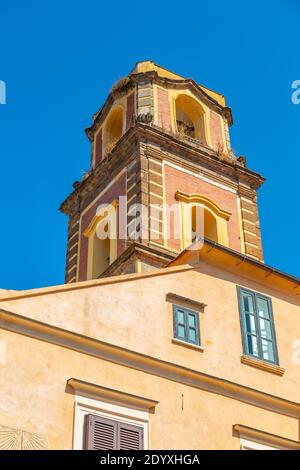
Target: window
(202,217)
(108,434)
(104,425)
(103,240)
(113,129)
(186,325)
(257,324)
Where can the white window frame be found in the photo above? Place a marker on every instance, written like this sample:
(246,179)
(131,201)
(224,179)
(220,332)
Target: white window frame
(85,406)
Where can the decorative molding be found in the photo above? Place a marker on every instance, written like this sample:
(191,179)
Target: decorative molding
(185,344)
(197,198)
(146,118)
(265,438)
(190,155)
(17,439)
(111,395)
(147,364)
(263,365)
(179,299)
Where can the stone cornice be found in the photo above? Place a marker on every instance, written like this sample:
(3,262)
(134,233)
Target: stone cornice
(100,115)
(266,438)
(79,387)
(147,364)
(211,252)
(159,253)
(178,84)
(171,147)
(191,303)
(199,91)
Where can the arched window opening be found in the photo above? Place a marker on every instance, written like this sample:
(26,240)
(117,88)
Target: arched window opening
(113,129)
(102,237)
(190,118)
(204,224)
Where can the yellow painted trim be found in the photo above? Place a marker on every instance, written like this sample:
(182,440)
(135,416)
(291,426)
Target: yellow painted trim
(198,199)
(242,265)
(138,266)
(90,234)
(93,224)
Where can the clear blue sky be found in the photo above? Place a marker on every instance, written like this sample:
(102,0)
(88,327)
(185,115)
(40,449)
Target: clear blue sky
(59,60)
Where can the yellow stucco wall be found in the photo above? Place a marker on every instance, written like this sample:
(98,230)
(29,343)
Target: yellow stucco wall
(129,315)
(33,397)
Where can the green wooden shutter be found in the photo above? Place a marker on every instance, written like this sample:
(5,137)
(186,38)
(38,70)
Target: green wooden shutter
(186,324)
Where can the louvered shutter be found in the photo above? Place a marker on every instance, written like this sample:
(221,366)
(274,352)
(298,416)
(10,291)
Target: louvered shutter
(130,437)
(101,433)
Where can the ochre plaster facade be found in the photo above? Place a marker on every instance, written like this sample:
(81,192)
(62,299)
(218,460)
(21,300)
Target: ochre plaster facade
(107,345)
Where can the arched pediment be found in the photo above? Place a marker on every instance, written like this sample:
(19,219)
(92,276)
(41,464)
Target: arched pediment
(195,198)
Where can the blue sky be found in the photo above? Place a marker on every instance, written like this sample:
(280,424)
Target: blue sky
(59,60)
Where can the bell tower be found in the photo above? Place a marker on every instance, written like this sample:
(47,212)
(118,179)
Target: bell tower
(160,150)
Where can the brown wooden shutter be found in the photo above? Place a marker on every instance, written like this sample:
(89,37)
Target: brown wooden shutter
(130,437)
(107,434)
(101,433)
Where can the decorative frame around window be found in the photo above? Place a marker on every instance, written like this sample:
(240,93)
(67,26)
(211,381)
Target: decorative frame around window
(257,326)
(186,325)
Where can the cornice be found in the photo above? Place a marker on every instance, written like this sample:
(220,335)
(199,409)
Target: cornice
(197,198)
(147,364)
(198,90)
(159,253)
(170,147)
(179,84)
(184,83)
(202,155)
(100,115)
(80,387)
(191,303)
(263,437)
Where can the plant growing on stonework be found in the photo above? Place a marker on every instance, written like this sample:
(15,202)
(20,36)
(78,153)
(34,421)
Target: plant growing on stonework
(110,146)
(180,130)
(223,153)
(121,85)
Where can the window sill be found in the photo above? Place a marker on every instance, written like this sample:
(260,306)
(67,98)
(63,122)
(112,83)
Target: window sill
(263,365)
(188,345)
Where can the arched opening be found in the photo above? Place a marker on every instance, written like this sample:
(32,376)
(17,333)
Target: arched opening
(190,118)
(204,224)
(113,129)
(102,233)
(100,255)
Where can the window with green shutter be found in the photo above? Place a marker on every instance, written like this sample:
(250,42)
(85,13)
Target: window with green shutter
(186,325)
(257,324)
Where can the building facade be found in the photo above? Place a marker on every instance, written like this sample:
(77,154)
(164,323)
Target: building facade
(168,334)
